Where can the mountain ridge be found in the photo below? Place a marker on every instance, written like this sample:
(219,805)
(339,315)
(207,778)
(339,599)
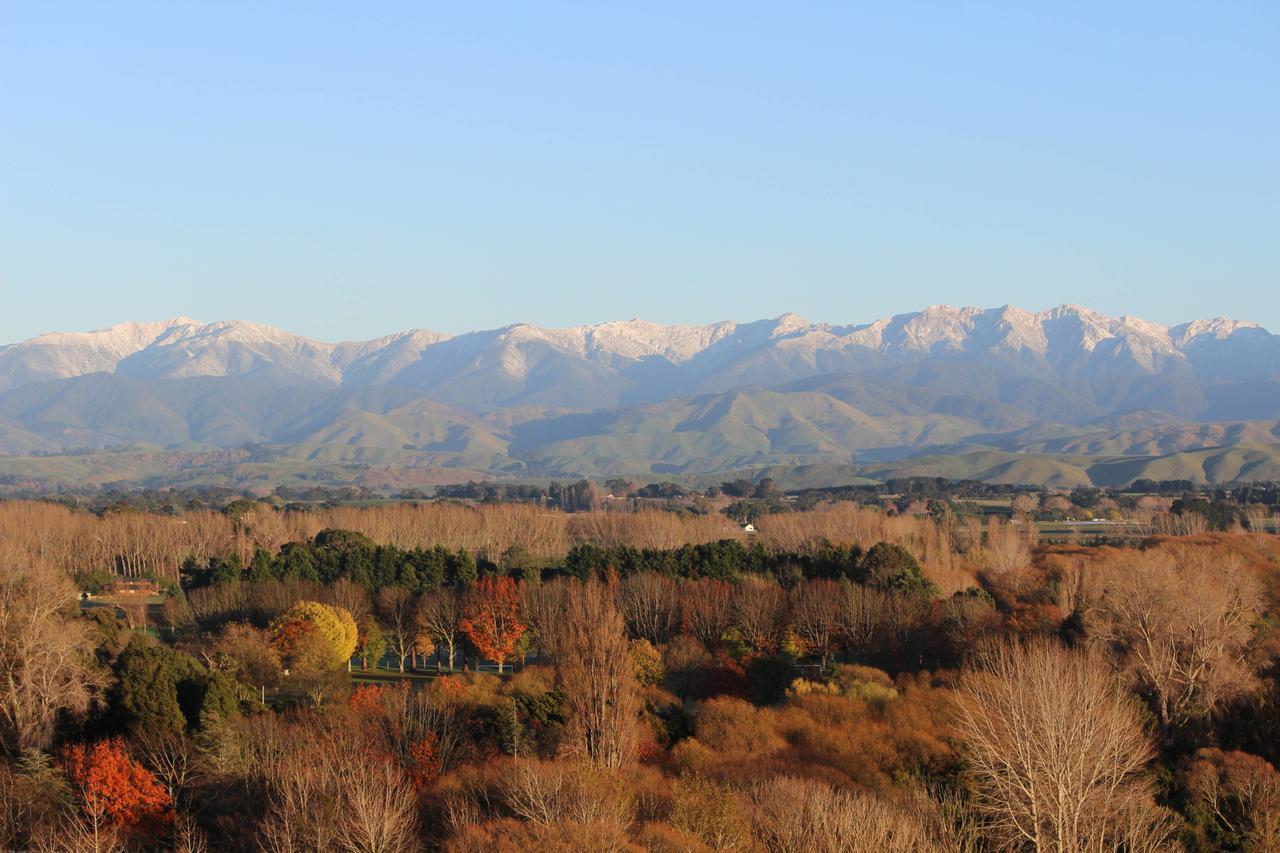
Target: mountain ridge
(1067,338)
(640,397)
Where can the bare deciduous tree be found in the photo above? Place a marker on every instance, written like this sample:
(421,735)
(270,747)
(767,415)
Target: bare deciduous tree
(1077,587)
(815,614)
(439,611)
(759,613)
(1008,547)
(861,617)
(793,815)
(188,837)
(350,596)
(597,677)
(548,793)
(1057,751)
(543,606)
(706,608)
(304,809)
(872,621)
(379,812)
(1181,523)
(1178,625)
(397,611)
(326,792)
(172,758)
(45,659)
(651,604)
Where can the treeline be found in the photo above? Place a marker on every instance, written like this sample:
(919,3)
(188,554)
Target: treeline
(886,565)
(335,554)
(184,498)
(345,554)
(142,544)
(581,496)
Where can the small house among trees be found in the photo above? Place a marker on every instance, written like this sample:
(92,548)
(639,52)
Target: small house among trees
(132,587)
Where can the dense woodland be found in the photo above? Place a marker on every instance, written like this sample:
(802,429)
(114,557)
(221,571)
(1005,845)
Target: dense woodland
(502,676)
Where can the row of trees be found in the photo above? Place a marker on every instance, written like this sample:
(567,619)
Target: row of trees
(500,619)
(335,554)
(140,544)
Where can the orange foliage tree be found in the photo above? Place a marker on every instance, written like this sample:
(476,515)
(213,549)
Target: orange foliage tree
(114,790)
(491,618)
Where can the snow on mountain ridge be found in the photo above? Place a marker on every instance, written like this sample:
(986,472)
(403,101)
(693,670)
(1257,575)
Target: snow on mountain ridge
(181,347)
(120,338)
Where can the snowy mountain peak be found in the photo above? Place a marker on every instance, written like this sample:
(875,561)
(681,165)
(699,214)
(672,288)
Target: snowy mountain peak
(650,360)
(121,338)
(1218,328)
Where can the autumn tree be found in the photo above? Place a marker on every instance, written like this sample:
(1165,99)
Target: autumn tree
(424,646)
(316,643)
(248,655)
(333,625)
(113,791)
(1179,627)
(684,660)
(371,644)
(646,663)
(597,676)
(712,812)
(1057,751)
(491,618)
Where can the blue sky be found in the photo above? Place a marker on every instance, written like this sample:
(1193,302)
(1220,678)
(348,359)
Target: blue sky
(346,170)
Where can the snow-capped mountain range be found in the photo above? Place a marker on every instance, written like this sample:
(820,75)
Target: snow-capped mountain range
(637,397)
(642,361)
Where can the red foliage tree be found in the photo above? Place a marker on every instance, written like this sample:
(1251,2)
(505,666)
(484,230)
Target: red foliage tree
(290,636)
(424,762)
(491,618)
(449,687)
(366,700)
(115,790)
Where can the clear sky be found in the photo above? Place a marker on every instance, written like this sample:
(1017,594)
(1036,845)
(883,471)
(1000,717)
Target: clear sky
(349,169)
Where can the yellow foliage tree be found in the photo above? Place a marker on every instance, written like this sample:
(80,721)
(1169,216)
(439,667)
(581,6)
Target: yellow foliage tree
(334,625)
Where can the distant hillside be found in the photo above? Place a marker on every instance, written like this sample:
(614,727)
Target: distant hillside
(302,465)
(1065,396)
